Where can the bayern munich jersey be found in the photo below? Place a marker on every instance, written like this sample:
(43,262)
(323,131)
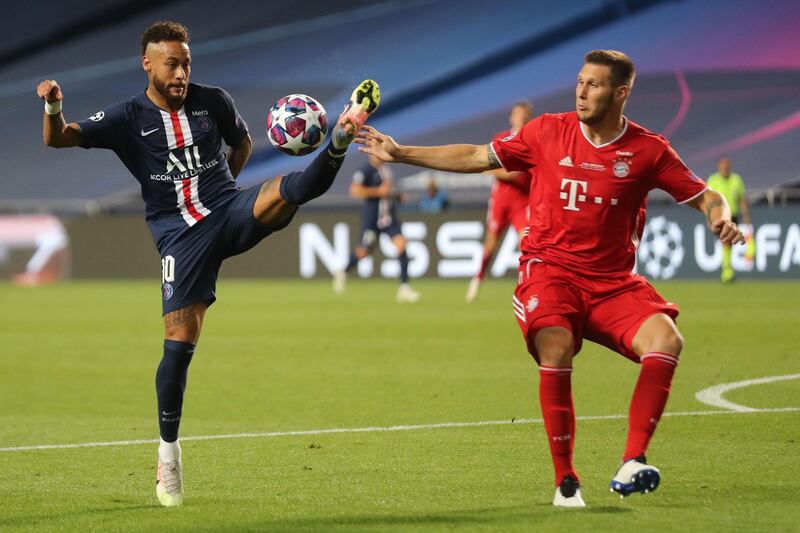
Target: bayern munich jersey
(378,212)
(177,157)
(586,200)
(511,189)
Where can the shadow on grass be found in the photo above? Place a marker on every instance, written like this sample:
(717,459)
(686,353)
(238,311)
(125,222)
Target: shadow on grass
(21,521)
(499,517)
(492,517)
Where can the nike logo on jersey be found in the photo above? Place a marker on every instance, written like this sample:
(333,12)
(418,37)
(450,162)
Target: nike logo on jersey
(146,133)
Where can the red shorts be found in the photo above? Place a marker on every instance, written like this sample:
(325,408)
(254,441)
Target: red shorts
(505,209)
(605,311)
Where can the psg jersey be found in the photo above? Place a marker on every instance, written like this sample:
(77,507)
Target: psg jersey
(378,212)
(177,157)
(587,200)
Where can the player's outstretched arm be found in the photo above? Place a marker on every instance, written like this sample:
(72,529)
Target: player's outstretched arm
(714,206)
(55,130)
(464,158)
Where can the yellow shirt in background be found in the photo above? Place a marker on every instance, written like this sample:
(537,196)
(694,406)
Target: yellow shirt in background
(732,188)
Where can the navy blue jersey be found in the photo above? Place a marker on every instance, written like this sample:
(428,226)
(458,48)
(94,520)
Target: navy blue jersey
(378,212)
(177,157)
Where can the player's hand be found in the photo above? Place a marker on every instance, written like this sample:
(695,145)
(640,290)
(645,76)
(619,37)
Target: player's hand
(376,143)
(727,231)
(49,91)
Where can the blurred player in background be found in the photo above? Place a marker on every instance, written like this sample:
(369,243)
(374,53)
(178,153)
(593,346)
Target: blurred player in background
(170,137)
(508,201)
(731,186)
(373,184)
(594,168)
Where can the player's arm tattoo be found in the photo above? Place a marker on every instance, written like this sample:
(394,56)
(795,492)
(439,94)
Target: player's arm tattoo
(711,205)
(493,161)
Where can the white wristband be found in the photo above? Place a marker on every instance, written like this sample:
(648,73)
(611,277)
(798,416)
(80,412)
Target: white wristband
(52,109)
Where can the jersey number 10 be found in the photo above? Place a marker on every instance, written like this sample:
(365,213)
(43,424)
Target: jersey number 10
(167,269)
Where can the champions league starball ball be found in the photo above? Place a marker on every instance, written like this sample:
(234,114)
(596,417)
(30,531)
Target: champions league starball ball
(297,124)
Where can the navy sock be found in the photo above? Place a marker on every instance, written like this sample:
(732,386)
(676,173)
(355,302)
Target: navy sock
(298,188)
(353,262)
(170,385)
(403,267)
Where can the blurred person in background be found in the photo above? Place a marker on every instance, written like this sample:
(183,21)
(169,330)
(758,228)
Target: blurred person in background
(47,236)
(731,186)
(373,184)
(433,199)
(508,201)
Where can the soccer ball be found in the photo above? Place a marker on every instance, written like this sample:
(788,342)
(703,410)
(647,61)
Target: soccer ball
(297,124)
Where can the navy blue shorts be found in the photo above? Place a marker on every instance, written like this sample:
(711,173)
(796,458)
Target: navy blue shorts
(190,264)
(370,232)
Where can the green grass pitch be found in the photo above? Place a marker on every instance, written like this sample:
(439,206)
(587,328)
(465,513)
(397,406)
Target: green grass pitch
(77,365)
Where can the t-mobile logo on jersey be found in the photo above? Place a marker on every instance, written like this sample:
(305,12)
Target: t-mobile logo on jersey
(575,192)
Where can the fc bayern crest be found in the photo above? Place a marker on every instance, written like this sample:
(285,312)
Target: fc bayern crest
(167,291)
(621,169)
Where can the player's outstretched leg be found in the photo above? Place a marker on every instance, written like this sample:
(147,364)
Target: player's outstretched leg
(298,188)
(660,343)
(363,102)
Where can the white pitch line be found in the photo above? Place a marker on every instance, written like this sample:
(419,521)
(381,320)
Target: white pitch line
(713,395)
(373,429)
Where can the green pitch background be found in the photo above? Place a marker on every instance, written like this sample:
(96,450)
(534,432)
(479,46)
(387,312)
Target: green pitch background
(77,364)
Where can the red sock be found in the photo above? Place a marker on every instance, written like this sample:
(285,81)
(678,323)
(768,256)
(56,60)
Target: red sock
(649,398)
(555,397)
(484,264)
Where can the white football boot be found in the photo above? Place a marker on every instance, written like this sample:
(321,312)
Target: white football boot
(169,476)
(635,475)
(568,493)
(407,295)
(474,289)
(339,281)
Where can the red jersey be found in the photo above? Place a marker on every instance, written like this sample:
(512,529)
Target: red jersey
(518,188)
(586,199)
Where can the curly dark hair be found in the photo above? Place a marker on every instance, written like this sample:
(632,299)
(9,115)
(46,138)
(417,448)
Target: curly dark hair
(164,30)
